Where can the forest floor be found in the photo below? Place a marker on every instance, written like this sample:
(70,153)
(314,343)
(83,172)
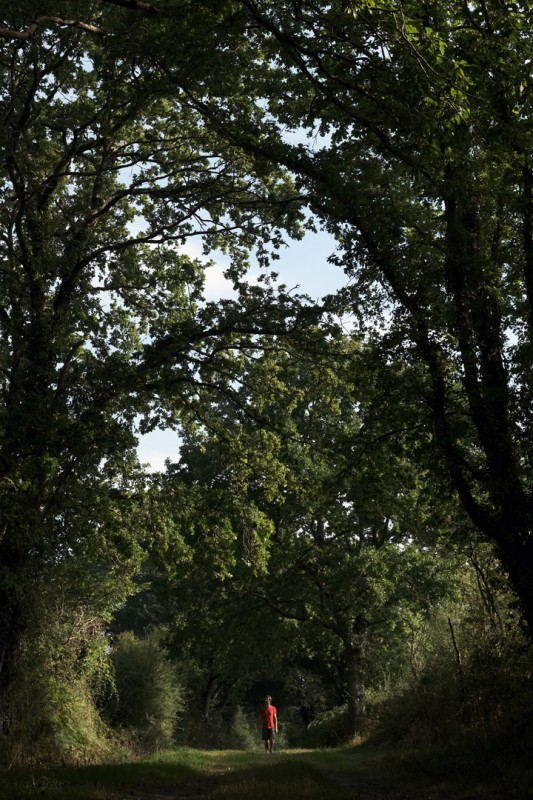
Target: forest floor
(341,774)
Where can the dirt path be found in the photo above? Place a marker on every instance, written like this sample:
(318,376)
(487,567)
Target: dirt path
(365,789)
(226,779)
(209,786)
(200,788)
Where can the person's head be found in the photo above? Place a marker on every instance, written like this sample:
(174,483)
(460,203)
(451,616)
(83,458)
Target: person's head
(268,700)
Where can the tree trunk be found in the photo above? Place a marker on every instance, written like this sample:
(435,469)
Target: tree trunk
(354,687)
(459,667)
(12,612)
(515,550)
(11,628)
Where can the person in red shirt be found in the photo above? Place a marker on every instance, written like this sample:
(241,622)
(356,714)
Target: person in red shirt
(268,718)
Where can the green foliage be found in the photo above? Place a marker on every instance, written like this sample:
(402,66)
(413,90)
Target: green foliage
(243,735)
(318,471)
(329,729)
(56,720)
(149,697)
(51,707)
(314,479)
(108,169)
(410,141)
(468,671)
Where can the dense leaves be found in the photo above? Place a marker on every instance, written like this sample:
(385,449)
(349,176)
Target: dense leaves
(316,474)
(104,176)
(417,118)
(319,511)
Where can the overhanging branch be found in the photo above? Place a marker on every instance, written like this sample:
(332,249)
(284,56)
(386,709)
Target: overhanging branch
(31,30)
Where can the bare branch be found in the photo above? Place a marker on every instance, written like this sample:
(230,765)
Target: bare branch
(133,5)
(30,31)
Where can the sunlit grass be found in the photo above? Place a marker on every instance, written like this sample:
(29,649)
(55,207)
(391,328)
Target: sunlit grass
(286,775)
(207,775)
(104,781)
(253,776)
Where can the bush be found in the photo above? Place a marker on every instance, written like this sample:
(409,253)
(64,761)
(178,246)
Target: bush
(243,732)
(149,697)
(49,714)
(473,687)
(329,729)
(54,720)
(293,731)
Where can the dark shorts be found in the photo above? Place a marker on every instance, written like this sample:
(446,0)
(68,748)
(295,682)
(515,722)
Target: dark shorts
(268,734)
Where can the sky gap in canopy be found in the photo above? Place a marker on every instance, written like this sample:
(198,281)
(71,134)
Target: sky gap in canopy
(302,266)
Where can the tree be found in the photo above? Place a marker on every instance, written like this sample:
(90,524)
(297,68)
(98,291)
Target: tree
(104,175)
(312,486)
(418,160)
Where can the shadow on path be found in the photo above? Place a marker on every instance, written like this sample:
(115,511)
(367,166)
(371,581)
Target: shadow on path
(270,776)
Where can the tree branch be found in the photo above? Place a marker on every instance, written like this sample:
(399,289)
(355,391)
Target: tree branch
(31,30)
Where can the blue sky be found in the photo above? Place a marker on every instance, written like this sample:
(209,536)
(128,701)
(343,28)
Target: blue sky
(302,264)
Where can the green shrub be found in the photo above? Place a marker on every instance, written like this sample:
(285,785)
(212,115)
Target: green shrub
(149,697)
(293,731)
(49,714)
(471,683)
(329,729)
(243,732)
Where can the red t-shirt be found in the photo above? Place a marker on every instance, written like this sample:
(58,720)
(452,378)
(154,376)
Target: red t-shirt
(267,715)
